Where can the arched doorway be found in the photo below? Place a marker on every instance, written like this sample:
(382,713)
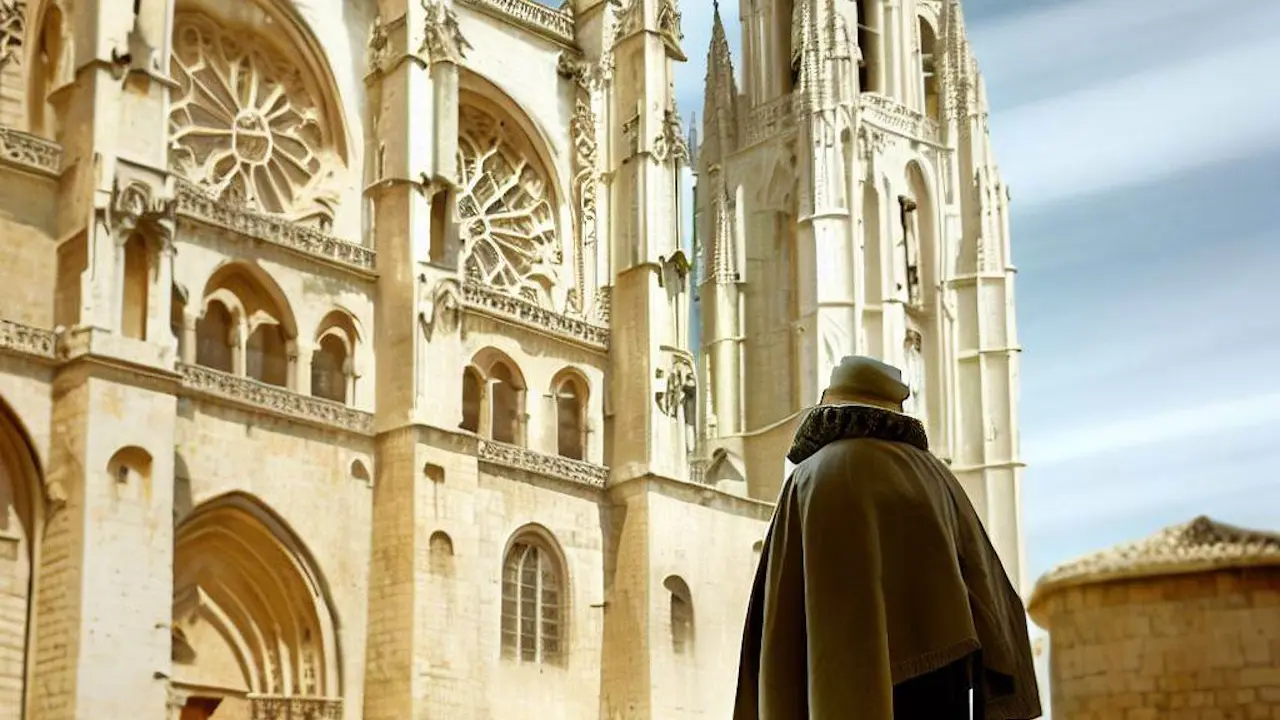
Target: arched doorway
(253,627)
(21,525)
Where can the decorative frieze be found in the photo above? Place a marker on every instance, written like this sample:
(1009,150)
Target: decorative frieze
(275,400)
(535,317)
(898,119)
(561,468)
(195,204)
(13,31)
(28,340)
(275,707)
(553,24)
(29,151)
(770,120)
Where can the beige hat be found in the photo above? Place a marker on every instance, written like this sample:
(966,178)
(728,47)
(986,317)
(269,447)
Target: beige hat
(866,381)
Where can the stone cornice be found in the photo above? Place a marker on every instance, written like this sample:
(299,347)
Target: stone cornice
(552,466)
(552,24)
(485,301)
(30,152)
(256,396)
(26,340)
(197,205)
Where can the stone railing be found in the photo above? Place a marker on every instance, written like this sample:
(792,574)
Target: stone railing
(553,24)
(769,120)
(522,312)
(27,340)
(29,151)
(562,468)
(195,204)
(277,707)
(899,119)
(274,400)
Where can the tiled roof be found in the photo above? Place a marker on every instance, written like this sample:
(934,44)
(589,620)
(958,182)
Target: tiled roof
(1198,546)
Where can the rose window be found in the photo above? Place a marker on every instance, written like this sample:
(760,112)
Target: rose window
(506,221)
(243,125)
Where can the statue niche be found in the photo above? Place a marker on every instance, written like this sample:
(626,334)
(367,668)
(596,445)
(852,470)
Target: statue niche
(910,248)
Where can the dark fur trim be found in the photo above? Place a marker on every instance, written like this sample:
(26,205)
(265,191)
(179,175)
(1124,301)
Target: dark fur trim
(826,424)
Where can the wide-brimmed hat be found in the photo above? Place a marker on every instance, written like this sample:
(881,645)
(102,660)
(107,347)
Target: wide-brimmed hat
(859,379)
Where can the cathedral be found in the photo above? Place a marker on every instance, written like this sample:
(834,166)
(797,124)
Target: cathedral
(353,364)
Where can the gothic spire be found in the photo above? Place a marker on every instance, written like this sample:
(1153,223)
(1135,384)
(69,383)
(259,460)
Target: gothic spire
(720,104)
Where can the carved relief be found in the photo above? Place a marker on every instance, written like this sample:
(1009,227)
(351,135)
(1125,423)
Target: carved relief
(669,145)
(556,466)
(13,28)
(505,216)
(914,374)
(135,208)
(245,127)
(379,45)
(273,707)
(27,340)
(582,129)
(205,381)
(30,151)
(442,39)
(679,393)
(524,313)
(588,75)
(627,19)
(910,248)
(439,306)
(556,24)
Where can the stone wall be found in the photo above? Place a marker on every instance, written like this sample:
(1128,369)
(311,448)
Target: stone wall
(1195,647)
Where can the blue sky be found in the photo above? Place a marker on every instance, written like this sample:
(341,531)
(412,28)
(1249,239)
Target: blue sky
(1141,143)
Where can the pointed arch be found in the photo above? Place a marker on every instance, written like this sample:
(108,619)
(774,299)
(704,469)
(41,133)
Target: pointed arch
(246,324)
(252,612)
(333,358)
(503,395)
(571,392)
(681,617)
(535,582)
(22,512)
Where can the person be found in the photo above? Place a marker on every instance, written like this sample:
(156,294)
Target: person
(879,595)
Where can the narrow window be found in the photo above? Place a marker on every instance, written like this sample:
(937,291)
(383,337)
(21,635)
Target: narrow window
(570,420)
(136,290)
(328,379)
(531,605)
(471,395)
(213,338)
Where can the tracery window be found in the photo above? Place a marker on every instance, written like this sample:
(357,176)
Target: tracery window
(532,619)
(244,125)
(505,215)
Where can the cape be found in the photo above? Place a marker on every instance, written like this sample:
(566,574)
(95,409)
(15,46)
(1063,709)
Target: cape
(875,570)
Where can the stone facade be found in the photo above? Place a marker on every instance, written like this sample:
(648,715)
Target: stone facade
(345,366)
(849,203)
(1185,626)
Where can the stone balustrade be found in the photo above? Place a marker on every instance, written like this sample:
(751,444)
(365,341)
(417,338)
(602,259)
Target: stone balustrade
(279,707)
(519,311)
(556,25)
(255,395)
(27,340)
(891,116)
(553,466)
(30,152)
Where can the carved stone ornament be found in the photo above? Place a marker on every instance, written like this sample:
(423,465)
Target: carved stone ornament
(29,151)
(379,45)
(582,129)
(506,219)
(588,75)
(669,28)
(627,19)
(245,126)
(588,334)
(274,400)
(439,306)
(27,340)
(442,39)
(670,146)
(552,23)
(196,204)
(13,28)
(278,707)
(680,380)
(554,466)
(134,208)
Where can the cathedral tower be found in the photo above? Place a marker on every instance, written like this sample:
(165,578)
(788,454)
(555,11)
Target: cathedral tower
(849,204)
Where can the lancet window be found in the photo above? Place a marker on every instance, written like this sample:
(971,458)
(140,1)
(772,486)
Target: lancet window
(869,44)
(929,70)
(505,211)
(532,604)
(571,416)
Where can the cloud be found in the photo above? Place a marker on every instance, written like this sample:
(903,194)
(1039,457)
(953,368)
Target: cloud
(1182,110)
(1134,432)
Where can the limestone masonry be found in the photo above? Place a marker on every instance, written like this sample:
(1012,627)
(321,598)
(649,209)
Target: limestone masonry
(345,345)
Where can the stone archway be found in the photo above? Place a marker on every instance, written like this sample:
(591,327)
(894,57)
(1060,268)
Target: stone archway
(21,526)
(254,632)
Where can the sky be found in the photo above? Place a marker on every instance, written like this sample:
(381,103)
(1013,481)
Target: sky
(1141,143)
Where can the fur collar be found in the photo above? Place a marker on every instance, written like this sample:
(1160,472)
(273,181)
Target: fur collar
(826,424)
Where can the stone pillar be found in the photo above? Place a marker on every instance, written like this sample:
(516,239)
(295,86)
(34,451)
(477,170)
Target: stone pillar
(190,318)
